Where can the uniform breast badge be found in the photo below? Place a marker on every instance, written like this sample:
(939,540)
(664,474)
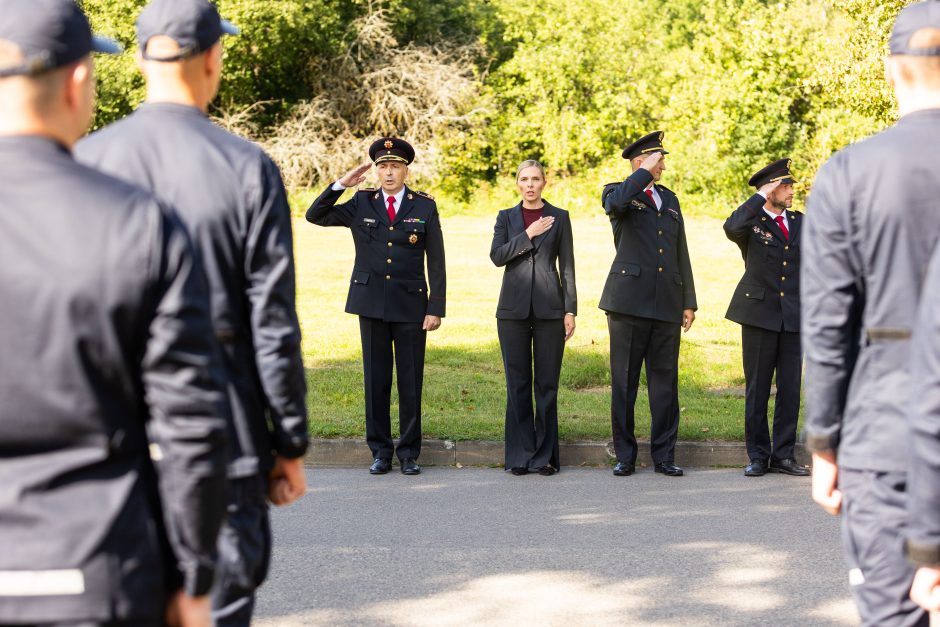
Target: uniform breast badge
(412,239)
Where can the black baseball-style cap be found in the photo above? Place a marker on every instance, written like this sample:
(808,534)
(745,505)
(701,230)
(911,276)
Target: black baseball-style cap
(779,170)
(645,145)
(48,34)
(195,25)
(910,20)
(391,149)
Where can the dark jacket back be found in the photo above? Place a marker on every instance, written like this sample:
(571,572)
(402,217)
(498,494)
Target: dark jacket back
(768,295)
(230,196)
(651,276)
(539,275)
(872,222)
(105,327)
(388,281)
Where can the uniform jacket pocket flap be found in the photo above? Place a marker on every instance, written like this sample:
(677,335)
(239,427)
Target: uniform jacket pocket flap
(415,287)
(628,269)
(677,279)
(369,223)
(755,293)
(414,227)
(360,278)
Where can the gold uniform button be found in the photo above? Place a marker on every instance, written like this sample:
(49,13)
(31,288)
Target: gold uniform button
(746,294)
(781,293)
(660,232)
(388,261)
(786,248)
(660,251)
(389,244)
(391,228)
(784,263)
(387,277)
(660,269)
(783,278)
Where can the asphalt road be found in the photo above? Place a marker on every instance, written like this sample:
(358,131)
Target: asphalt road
(477,546)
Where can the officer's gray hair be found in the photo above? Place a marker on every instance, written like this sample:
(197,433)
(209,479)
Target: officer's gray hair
(530,163)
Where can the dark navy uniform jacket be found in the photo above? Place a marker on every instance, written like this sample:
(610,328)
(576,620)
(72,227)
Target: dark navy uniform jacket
(230,196)
(104,327)
(923,534)
(651,276)
(768,295)
(539,275)
(388,280)
(872,222)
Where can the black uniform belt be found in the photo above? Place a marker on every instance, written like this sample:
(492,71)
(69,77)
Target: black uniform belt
(886,334)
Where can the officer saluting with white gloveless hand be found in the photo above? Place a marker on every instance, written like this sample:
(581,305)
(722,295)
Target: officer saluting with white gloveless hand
(396,230)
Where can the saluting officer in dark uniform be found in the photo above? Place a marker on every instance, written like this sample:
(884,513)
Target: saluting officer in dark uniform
(230,197)
(766,304)
(648,296)
(394,229)
(106,335)
(872,223)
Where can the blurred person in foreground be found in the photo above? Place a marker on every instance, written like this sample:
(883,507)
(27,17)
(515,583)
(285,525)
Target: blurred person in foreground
(873,220)
(230,197)
(108,365)
(535,316)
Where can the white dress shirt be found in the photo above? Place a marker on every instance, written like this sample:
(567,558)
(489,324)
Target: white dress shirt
(657,200)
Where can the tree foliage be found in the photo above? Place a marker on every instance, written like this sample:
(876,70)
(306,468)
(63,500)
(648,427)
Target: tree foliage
(484,84)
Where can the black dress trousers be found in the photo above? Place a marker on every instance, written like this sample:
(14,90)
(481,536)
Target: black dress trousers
(766,352)
(633,339)
(381,342)
(532,352)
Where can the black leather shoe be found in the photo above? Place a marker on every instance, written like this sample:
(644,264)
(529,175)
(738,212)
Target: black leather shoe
(547,470)
(669,469)
(519,471)
(380,466)
(410,467)
(623,469)
(788,467)
(756,468)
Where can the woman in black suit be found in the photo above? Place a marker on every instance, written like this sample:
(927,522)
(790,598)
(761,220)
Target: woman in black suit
(537,307)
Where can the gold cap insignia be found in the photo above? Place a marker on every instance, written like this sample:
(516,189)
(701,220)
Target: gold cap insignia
(388,143)
(789,163)
(412,239)
(660,136)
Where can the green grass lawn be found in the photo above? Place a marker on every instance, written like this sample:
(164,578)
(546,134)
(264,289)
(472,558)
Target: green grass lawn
(464,388)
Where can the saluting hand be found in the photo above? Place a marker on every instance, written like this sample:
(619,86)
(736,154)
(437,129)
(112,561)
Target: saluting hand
(431,323)
(356,176)
(652,161)
(539,226)
(767,188)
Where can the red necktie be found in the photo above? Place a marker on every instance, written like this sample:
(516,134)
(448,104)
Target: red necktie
(649,192)
(391,208)
(783,227)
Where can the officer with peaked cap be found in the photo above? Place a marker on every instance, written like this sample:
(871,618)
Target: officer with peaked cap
(648,297)
(871,225)
(229,195)
(395,230)
(766,303)
(107,362)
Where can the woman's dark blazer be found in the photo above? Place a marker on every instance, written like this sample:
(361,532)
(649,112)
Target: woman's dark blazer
(533,281)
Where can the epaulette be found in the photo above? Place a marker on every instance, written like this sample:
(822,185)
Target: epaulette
(425,195)
(663,187)
(614,183)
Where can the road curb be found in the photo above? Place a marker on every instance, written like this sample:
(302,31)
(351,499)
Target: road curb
(347,452)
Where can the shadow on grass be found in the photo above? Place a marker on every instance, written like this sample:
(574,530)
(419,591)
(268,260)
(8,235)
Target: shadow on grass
(464,395)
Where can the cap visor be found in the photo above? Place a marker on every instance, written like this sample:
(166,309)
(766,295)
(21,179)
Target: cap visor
(230,29)
(105,45)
